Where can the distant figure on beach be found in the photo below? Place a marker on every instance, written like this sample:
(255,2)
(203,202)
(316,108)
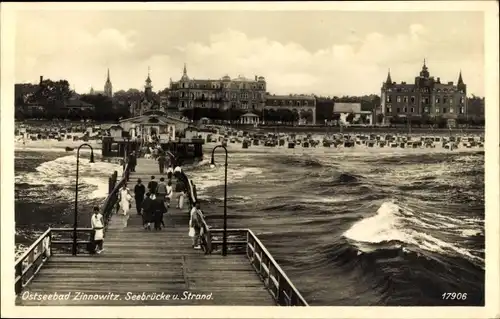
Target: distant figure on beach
(139,191)
(195,225)
(152,185)
(97,222)
(132,161)
(125,199)
(161,162)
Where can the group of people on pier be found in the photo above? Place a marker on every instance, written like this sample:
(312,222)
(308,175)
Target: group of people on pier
(153,200)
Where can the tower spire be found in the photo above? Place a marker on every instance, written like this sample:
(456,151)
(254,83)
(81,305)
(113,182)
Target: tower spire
(424,73)
(185,70)
(389,80)
(460,80)
(108,78)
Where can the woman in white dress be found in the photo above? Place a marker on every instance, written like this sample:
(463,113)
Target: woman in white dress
(125,199)
(97,223)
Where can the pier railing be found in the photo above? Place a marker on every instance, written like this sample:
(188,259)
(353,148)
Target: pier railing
(53,240)
(245,241)
(59,240)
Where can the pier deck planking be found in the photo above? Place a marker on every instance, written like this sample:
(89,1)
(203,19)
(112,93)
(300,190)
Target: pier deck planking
(136,261)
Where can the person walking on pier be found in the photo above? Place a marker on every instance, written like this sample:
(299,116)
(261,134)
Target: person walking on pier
(161,162)
(170,172)
(180,189)
(147,211)
(152,185)
(158,212)
(139,191)
(170,191)
(132,161)
(125,199)
(161,190)
(195,225)
(97,223)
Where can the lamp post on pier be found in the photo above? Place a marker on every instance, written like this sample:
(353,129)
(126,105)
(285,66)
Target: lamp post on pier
(75,223)
(212,164)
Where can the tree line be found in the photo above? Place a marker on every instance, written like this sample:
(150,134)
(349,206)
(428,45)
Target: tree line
(53,100)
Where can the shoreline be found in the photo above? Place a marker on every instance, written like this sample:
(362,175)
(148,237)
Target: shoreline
(54,145)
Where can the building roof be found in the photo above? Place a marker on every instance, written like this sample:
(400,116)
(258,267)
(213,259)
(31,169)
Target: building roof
(241,78)
(291,97)
(153,119)
(249,115)
(347,108)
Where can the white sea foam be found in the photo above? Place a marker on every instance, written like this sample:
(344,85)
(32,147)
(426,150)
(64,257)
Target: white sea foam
(212,177)
(391,224)
(62,171)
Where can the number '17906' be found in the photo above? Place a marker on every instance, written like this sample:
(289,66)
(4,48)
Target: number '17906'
(454,296)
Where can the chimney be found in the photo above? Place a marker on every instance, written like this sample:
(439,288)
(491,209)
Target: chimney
(41,79)
(256,78)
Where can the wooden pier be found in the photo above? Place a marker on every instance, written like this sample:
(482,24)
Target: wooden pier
(140,267)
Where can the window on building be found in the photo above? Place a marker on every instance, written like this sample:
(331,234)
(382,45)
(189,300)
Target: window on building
(397,110)
(290,102)
(182,94)
(444,110)
(298,103)
(405,99)
(451,110)
(437,109)
(275,102)
(412,109)
(388,98)
(451,101)
(426,109)
(445,99)
(462,110)
(412,99)
(438,100)
(462,100)
(305,103)
(389,109)
(405,109)
(398,99)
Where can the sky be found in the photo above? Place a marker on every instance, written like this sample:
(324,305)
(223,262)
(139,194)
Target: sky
(298,52)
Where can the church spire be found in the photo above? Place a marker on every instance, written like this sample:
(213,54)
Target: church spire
(184,72)
(108,87)
(460,80)
(389,80)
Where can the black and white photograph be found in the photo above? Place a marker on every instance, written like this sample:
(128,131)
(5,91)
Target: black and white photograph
(251,156)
